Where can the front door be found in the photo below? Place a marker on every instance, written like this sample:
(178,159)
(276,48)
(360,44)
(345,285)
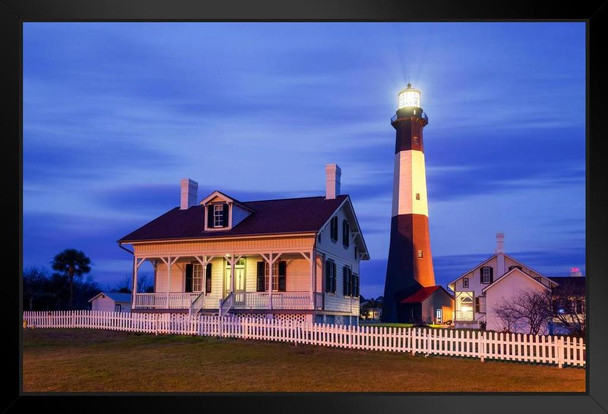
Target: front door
(438,316)
(239,278)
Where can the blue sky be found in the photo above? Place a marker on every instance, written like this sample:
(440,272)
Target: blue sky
(115,114)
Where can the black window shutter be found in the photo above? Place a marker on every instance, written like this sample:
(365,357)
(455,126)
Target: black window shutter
(208,278)
(333,284)
(491,274)
(345,281)
(334,228)
(225,216)
(261,286)
(345,234)
(210,216)
(188,287)
(327,276)
(282,276)
(481,275)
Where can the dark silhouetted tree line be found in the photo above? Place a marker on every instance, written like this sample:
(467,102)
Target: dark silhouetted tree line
(62,289)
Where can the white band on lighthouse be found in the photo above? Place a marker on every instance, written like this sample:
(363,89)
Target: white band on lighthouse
(409,184)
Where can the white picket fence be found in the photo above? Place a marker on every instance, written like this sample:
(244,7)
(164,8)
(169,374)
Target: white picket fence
(542,349)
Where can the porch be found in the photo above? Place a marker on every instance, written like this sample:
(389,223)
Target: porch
(239,301)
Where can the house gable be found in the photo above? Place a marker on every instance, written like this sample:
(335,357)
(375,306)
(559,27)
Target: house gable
(474,274)
(511,276)
(356,242)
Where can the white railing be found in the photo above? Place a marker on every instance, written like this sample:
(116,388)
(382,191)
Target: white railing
(544,349)
(226,304)
(174,300)
(275,300)
(197,304)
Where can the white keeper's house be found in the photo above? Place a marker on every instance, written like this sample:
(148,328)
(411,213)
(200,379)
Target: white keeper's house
(480,290)
(288,259)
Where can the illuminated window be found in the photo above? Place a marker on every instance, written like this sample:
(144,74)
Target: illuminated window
(465,282)
(417,196)
(464,306)
(420,254)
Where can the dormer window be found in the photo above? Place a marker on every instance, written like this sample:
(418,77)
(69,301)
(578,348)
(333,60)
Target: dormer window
(223,212)
(217,215)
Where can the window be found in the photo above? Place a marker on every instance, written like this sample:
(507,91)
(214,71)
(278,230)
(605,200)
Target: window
(420,254)
(465,282)
(319,238)
(117,308)
(334,229)
(217,215)
(208,278)
(486,275)
(197,277)
(345,234)
(417,196)
(356,253)
(537,279)
(279,276)
(464,306)
(330,276)
(347,281)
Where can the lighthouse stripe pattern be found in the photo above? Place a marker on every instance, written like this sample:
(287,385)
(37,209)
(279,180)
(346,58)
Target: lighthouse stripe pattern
(409,184)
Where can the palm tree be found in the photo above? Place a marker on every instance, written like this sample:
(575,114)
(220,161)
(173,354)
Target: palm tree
(71,262)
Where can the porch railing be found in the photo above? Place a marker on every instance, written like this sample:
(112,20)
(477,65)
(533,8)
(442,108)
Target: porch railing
(173,300)
(275,300)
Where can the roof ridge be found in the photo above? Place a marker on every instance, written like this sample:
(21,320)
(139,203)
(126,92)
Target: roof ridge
(289,198)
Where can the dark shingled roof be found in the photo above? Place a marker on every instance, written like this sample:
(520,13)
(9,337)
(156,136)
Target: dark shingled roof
(292,215)
(572,284)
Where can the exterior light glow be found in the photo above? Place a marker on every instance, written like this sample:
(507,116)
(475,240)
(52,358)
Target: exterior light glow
(409,97)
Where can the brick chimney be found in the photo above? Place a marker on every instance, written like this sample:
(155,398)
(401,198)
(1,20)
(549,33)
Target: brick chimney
(189,189)
(332,181)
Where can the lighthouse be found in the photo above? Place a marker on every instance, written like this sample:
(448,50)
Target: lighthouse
(410,280)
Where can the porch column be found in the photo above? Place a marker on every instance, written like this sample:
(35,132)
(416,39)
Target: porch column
(168,279)
(136,263)
(232,281)
(134,281)
(204,261)
(313,276)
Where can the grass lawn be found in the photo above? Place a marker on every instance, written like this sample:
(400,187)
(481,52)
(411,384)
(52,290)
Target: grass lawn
(81,360)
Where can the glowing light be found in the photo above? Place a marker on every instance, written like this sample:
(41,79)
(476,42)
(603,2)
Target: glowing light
(409,97)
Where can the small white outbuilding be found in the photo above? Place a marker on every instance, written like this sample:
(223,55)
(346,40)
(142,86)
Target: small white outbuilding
(111,302)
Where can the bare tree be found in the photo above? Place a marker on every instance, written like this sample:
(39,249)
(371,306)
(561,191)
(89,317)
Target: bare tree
(124,286)
(143,284)
(569,307)
(529,309)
